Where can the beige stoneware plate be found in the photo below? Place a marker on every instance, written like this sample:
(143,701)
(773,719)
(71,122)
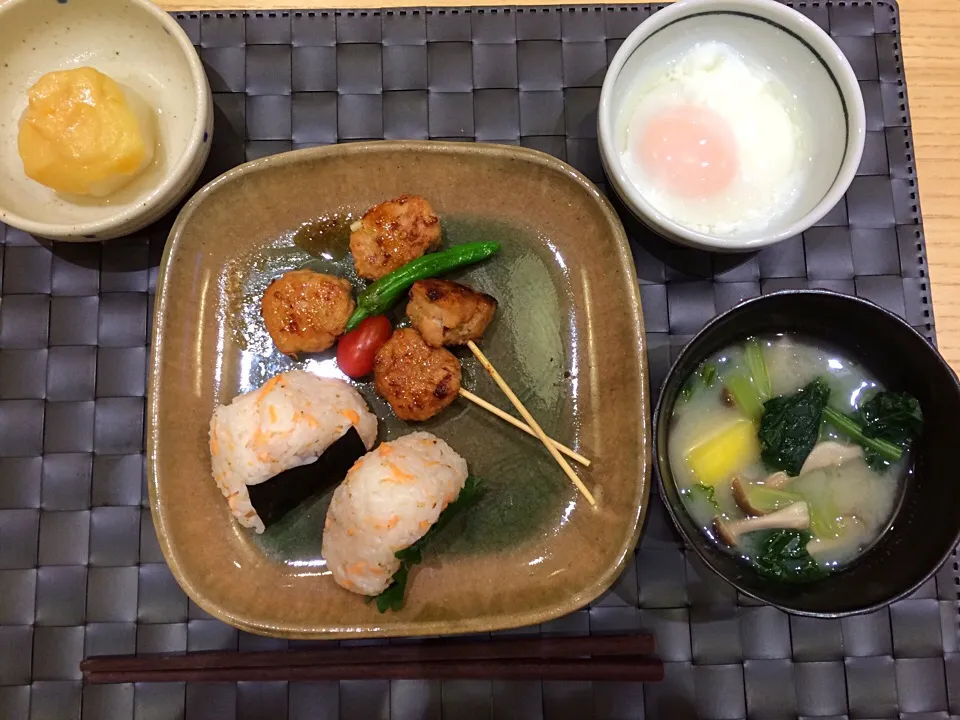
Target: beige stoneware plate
(568,337)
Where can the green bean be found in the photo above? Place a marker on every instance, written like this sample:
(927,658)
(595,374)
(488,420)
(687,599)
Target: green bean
(381,295)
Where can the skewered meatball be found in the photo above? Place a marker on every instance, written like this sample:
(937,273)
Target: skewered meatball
(448,313)
(417,380)
(305,311)
(392,234)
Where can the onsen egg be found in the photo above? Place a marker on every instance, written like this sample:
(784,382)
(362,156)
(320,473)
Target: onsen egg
(714,142)
(690,149)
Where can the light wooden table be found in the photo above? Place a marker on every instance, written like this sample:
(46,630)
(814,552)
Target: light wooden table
(931,51)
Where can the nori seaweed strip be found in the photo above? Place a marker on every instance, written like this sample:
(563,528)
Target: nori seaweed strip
(282,493)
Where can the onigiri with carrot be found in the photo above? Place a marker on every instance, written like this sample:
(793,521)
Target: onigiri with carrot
(293,421)
(389,500)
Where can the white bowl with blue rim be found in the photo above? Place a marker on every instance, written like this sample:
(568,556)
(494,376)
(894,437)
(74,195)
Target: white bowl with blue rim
(795,50)
(141,47)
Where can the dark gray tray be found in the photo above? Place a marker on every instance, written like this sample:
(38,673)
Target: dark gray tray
(80,570)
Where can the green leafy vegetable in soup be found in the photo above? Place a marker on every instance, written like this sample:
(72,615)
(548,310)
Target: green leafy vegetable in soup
(891,416)
(708,374)
(777,460)
(880,451)
(790,427)
(753,353)
(744,394)
(705,375)
(783,556)
(885,426)
(706,493)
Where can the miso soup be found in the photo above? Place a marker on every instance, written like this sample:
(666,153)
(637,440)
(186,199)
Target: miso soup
(791,455)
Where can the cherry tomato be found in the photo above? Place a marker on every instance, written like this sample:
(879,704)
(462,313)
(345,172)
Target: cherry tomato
(356,349)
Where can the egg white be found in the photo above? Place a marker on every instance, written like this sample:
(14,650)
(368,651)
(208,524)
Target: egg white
(764,122)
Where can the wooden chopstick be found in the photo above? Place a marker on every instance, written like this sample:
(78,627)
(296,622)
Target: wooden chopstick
(490,407)
(625,669)
(425,651)
(525,414)
(430,658)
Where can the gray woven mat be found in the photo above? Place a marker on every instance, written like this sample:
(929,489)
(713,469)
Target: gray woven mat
(80,570)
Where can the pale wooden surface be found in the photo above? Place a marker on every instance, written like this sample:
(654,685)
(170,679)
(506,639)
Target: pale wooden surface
(931,50)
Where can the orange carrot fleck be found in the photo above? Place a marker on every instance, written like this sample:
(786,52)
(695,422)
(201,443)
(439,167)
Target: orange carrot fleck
(214,443)
(399,476)
(377,525)
(352,415)
(270,385)
(273,414)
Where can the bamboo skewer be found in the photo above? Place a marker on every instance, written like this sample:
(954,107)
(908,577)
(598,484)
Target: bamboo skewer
(477,400)
(525,414)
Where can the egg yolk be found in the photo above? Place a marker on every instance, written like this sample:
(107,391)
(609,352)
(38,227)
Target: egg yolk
(688,149)
(80,135)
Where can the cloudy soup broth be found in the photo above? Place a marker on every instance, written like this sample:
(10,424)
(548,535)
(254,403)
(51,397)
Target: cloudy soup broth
(777,447)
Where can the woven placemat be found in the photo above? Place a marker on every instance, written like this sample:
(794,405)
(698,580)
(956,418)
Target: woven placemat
(80,569)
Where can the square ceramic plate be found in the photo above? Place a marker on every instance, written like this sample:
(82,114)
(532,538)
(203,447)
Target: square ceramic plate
(568,337)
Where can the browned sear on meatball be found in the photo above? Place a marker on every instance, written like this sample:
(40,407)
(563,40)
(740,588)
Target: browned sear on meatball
(392,234)
(305,311)
(448,313)
(417,380)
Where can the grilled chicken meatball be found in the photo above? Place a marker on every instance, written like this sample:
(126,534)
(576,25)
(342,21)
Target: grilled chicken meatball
(448,313)
(417,380)
(305,311)
(392,234)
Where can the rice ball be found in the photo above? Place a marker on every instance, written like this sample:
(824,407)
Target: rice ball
(288,422)
(389,500)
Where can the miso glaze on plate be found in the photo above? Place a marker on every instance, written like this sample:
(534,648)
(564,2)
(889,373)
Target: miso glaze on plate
(715,455)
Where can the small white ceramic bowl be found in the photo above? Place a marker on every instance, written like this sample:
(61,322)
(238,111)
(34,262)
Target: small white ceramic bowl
(142,48)
(797,51)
